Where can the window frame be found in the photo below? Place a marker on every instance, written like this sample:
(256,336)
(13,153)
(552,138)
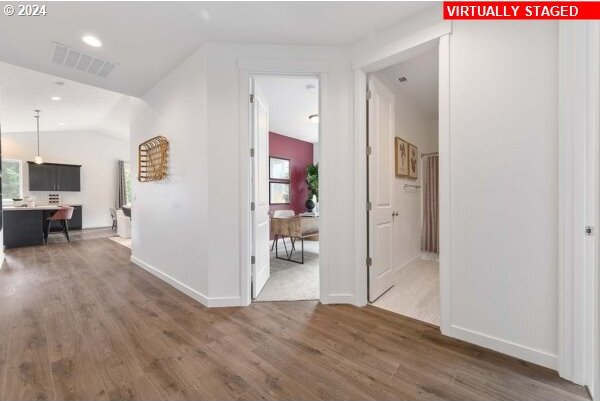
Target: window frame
(21,189)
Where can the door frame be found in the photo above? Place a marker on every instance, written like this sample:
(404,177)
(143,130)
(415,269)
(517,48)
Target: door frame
(286,68)
(578,184)
(388,56)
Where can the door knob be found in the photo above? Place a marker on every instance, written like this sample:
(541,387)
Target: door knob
(394,213)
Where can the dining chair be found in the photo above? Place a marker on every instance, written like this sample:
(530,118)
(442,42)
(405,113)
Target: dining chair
(113,215)
(63,215)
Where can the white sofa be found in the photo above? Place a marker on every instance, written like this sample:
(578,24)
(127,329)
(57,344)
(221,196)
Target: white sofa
(123,225)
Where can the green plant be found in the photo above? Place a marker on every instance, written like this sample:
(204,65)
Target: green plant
(312,180)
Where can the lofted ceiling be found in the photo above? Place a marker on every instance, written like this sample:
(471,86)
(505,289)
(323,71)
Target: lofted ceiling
(148,39)
(422,79)
(82,107)
(291,100)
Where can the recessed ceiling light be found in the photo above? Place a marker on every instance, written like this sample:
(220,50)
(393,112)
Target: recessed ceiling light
(62,124)
(55,98)
(92,41)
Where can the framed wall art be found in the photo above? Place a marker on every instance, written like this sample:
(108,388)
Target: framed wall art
(401,157)
(413,161)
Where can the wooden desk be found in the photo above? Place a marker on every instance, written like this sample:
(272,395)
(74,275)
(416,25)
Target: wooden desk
(296,227)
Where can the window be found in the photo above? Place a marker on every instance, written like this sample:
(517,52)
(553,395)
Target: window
(12,180)
(127,170)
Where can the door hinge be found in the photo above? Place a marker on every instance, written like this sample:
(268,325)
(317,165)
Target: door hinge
(369,150)
(368,95)
(369,262)
(589,230)
(369,206)
(252,206)
(252,260)
(251,152)
(251,98)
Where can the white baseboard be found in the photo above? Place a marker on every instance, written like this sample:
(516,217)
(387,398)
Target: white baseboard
(213,302)
(506,347)
(341,299)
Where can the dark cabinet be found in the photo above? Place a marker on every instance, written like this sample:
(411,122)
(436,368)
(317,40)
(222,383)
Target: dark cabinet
(68,178)
(23,228)
(42,177)
(54,177)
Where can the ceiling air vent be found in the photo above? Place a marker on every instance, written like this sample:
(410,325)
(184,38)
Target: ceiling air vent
(73,58)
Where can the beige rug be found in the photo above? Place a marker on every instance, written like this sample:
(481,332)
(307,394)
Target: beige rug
(292,281)
(126,242)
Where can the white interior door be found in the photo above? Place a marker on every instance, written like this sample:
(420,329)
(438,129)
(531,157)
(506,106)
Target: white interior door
(261,269)
(381,193)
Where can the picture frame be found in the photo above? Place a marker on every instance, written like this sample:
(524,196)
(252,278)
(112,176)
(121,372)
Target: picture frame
(279,193)
(279,168)
(401,157)
(413,161)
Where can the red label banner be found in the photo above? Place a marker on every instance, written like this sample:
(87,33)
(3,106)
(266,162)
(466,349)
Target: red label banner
(525,10)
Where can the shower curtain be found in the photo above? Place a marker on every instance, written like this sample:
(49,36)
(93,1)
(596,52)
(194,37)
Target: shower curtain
(430,230)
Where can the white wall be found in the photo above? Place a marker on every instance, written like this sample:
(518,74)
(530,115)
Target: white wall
(170,227)
(98,154)
(416,127)
(503,179)
(503,115)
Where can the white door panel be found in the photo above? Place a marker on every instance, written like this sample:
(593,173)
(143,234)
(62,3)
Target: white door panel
(261,268)
(381,180)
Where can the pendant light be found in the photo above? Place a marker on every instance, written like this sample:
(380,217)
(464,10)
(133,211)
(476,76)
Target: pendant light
(38,159)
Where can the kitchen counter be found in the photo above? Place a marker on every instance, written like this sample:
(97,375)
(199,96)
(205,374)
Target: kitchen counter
(40,207)
(24,226)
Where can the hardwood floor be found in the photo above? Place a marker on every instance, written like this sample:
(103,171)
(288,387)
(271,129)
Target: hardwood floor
(79,321)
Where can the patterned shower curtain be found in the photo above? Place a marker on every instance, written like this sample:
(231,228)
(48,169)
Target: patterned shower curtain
(430,233)
(121,185)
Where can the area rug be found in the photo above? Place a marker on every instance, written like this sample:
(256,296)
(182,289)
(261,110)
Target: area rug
(292,281)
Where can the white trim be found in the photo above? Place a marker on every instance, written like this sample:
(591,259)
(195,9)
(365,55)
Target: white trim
(255,67)
(506,347)
(577,200)
(445,154)
(370,63)
(341,299)
(198,296)
(391,53)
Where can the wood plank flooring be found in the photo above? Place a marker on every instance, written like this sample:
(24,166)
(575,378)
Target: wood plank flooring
(79,321)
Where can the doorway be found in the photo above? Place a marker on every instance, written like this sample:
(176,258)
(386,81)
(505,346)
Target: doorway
(403,171)
(284,125)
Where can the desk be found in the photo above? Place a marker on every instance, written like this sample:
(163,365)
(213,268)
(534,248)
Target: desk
(296,227)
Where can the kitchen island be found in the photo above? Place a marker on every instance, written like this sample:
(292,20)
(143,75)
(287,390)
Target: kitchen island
(24,226)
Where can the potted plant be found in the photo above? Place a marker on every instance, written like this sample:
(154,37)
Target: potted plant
(312,181)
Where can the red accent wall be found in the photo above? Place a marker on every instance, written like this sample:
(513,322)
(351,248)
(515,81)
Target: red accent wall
(300,154)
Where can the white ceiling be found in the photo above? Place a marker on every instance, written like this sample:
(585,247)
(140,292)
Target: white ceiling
(82,107)
(290,104)
(422,77)
(148,39)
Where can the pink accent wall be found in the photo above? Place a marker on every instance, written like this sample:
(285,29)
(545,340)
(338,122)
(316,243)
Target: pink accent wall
(300,154)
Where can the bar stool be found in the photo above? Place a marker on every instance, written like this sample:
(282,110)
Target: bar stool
(63,215)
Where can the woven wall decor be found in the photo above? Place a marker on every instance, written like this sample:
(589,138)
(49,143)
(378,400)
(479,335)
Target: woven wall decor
(153,159)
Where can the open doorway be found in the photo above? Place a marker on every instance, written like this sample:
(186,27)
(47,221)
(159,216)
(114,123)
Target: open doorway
(285,184)
(403,222)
